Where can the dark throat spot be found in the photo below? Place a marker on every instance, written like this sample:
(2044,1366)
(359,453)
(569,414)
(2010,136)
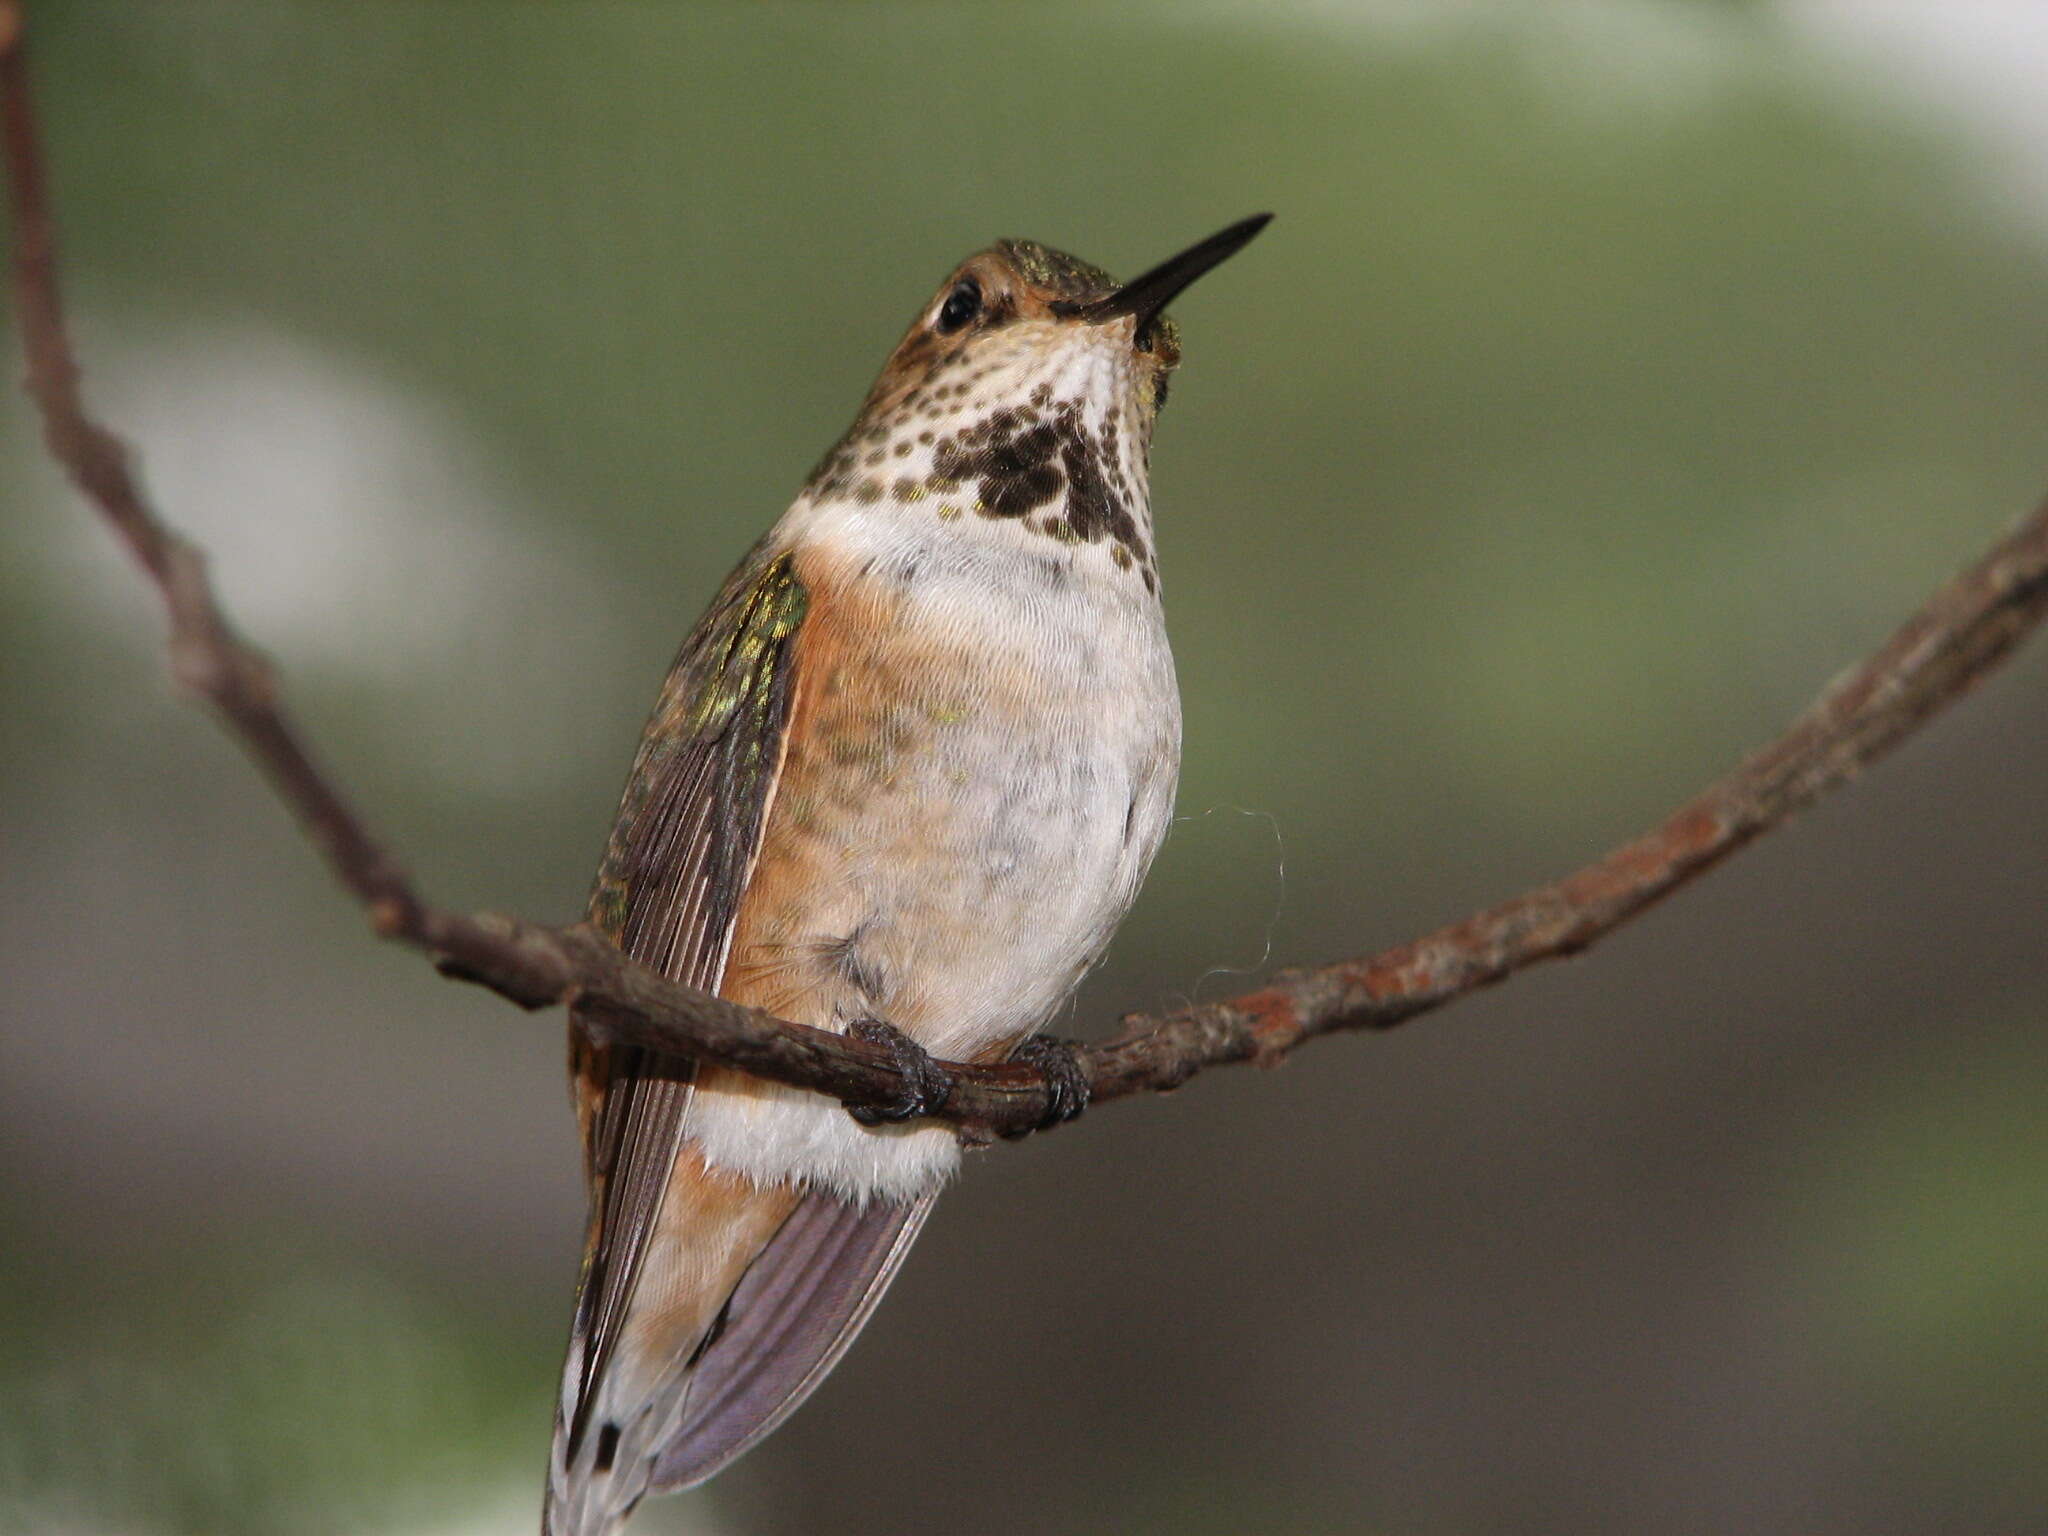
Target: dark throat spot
(1020,463)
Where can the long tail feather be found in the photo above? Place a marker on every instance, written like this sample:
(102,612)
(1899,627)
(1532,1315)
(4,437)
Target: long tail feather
(724,1361)
(788,1322)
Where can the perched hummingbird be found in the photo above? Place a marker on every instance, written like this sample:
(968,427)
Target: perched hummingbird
(904,779)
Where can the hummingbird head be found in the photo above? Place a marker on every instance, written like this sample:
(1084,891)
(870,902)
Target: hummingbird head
(1024,393)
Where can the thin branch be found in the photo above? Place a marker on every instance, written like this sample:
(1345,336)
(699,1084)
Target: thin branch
(207,658)
(1962,632)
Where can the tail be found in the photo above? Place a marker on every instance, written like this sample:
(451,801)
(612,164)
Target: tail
(727,1334)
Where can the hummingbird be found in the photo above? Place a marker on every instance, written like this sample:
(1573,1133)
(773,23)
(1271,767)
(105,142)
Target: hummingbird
(903,780)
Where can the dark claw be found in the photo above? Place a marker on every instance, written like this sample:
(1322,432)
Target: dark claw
(926,1087)
(1066,1082)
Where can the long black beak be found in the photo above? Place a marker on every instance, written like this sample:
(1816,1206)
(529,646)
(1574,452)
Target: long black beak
(1146,296)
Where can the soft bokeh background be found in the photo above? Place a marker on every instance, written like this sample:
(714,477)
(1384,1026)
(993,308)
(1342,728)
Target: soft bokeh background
(1615,374)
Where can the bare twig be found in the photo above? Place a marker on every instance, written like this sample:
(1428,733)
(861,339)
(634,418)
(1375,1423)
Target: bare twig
(1962,632)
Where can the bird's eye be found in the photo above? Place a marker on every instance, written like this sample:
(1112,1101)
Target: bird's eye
(961,306)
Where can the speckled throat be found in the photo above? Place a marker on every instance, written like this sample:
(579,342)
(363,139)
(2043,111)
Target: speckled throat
(1026,429)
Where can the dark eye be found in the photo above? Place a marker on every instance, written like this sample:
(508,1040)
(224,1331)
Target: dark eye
(961,305)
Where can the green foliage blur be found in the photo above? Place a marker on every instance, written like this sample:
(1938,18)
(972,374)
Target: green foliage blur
(1613,375)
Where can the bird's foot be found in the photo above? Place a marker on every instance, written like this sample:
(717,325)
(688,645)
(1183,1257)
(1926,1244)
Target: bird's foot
(1066,1080)
(926,1087)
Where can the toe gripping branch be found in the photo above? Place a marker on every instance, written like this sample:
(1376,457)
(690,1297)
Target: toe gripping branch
(926,1087)
(1066,1080)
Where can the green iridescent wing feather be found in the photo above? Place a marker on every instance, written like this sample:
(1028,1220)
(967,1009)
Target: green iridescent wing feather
(668,892)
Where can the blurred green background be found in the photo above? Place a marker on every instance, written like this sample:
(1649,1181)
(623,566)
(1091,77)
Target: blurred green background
(1614,375)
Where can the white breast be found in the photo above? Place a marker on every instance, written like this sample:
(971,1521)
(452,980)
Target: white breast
(983,854)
